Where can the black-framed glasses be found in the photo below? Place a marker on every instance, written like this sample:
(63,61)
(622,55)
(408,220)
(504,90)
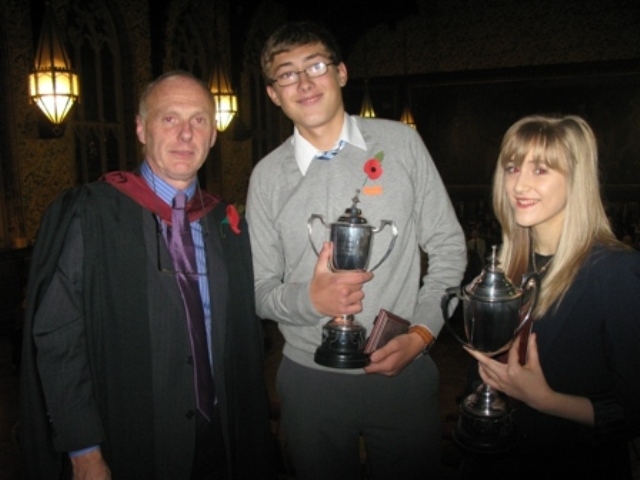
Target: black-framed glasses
(312,71)
(166,267)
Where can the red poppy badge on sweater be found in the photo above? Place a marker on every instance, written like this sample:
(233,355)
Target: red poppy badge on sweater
(373,169)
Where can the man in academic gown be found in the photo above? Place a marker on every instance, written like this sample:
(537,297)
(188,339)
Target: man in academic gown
(107,384)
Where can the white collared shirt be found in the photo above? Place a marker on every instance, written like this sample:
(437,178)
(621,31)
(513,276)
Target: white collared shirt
(305,152)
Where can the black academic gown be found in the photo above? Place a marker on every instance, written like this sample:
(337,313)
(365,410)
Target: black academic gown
(142,411)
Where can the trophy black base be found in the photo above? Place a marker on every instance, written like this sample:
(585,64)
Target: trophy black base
(485,424)
(485,434)
(343,341)
(336,360)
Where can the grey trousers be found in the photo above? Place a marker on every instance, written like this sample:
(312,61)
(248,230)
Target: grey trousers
(327,417)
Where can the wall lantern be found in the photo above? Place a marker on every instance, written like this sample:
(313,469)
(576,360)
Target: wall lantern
(53,85)
(226,101)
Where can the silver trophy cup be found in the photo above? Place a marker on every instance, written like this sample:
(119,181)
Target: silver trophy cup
(343,338)
(494,313)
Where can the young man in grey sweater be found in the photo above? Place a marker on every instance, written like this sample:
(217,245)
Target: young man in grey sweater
(391,403)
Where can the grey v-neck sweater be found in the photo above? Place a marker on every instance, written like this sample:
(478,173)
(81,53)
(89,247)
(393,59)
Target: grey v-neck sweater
(409,192)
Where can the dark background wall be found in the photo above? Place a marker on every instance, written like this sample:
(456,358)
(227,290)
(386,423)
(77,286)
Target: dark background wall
(468,69)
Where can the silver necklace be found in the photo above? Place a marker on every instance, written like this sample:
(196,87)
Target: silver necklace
(535,266)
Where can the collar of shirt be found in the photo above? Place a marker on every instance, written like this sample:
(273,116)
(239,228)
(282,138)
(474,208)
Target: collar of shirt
(161,188)
(305,152)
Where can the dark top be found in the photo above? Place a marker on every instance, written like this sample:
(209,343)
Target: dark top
(588,346)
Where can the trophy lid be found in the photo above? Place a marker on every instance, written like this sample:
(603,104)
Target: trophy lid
(353,215)
(492,285)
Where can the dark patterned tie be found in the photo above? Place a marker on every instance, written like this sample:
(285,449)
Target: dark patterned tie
(329,154)
(183,253)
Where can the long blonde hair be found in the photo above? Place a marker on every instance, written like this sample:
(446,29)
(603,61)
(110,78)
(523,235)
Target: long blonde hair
(566,144)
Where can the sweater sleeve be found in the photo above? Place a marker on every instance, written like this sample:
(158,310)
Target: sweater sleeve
(610,419)
(440,236)
(617,412)
(285,302)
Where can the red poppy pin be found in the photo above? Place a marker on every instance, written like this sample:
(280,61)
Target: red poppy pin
(232,219)
(373,169)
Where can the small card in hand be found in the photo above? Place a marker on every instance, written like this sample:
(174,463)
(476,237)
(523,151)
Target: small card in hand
(386,326)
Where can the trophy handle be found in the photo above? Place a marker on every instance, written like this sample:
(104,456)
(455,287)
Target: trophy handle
(313,218)
(530,282)
(394,232)
(444,304)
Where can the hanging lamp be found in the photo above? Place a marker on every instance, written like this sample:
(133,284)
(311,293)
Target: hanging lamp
(53,85)
(407,116)
(367,107)
(226,101)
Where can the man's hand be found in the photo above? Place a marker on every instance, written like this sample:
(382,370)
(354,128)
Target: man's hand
(336,293)
(90,466)
(396,354)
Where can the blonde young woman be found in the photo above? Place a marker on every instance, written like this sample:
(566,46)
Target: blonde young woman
(579,389)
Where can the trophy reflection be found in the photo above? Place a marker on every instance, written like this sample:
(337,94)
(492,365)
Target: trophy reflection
(494,313)
(343,338)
